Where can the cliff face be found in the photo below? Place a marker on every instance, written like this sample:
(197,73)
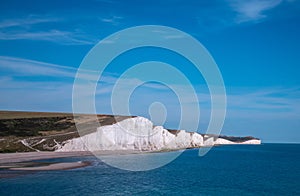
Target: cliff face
(133,134)
(139,134)
(38,131)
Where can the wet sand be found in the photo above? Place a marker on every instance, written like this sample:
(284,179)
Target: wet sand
(31,156)
(54,166)
(21,162)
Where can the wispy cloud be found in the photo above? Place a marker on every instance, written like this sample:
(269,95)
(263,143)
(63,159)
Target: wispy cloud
(20,67)
(26,67)
(114,20)
(49,95)
(61,37)
(33,85)
(252,10)
(31,20)
(265,103)
(24,29)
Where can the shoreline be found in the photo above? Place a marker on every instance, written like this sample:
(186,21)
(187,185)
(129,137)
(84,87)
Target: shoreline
(17,157)
(17,164)
(52,166)
(6,158)
(23,161)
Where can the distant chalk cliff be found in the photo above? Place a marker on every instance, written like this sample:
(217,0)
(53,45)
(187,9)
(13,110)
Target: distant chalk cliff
(43,131)
(139,133)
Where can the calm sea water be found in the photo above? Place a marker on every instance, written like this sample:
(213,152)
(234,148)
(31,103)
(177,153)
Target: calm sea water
(268,169)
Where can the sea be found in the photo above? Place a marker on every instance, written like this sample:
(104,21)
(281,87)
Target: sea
(267,169)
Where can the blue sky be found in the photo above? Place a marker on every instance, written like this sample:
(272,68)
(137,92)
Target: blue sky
(255,44)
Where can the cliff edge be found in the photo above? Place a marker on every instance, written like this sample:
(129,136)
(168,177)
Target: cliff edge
(36,131)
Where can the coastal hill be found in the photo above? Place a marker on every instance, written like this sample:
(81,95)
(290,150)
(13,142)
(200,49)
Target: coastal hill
(45,131)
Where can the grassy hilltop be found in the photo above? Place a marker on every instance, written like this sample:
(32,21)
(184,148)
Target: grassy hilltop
(43,130)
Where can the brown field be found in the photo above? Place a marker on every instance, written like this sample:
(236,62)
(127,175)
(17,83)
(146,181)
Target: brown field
(28,114)
(17,127)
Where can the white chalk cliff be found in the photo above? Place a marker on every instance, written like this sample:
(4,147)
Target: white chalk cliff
(140,134)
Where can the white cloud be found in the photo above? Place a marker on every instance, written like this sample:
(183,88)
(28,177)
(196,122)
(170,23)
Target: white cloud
(61,37)
(26,67)
(252,10)
(31,20)
(114,20)
(265,103)
(23,29)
